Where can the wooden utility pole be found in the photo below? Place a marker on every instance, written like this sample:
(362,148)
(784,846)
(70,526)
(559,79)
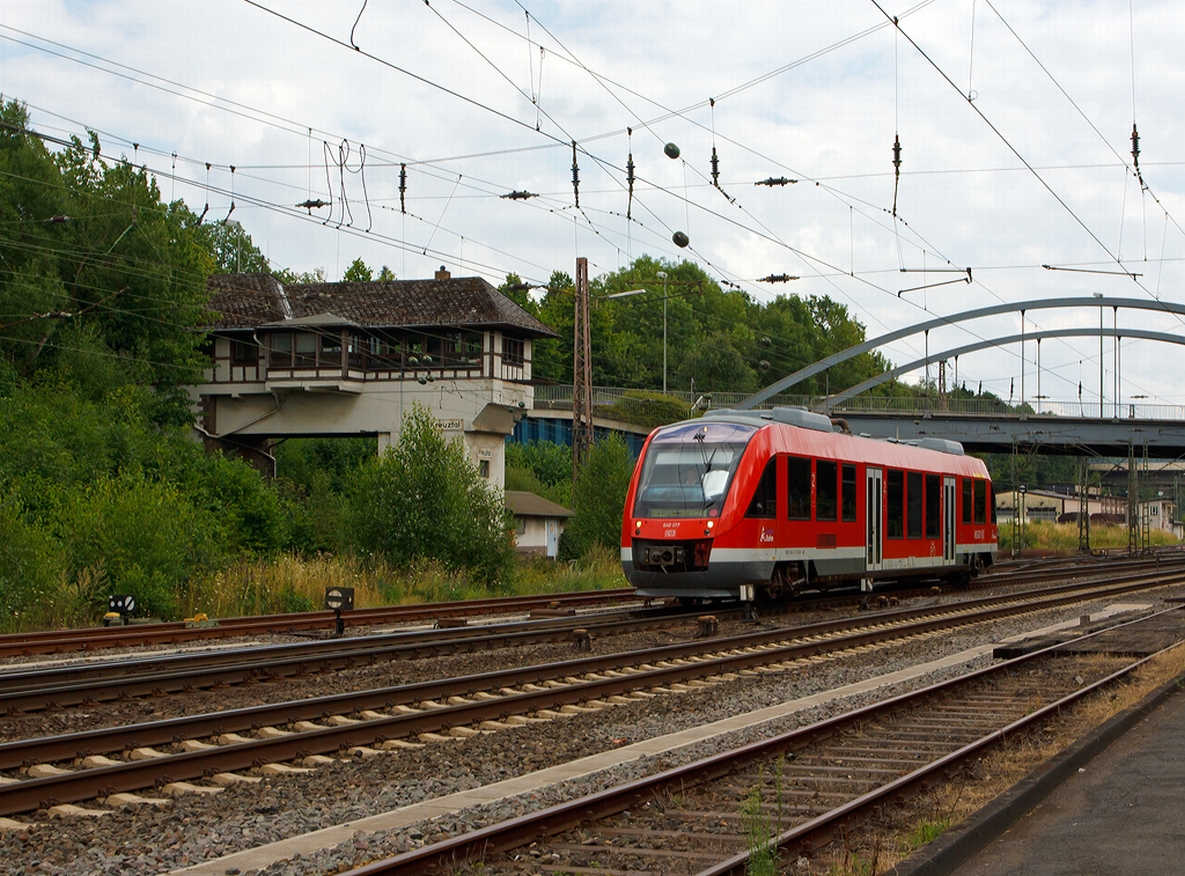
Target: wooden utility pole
(582,424)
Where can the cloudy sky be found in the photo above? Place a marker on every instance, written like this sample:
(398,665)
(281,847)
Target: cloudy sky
(1014,120)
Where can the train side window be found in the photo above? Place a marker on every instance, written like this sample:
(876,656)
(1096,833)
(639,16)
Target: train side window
(765,497)
(798,488)
(913,500)
(895,503)
(849,493)
(992,502)
(826,486)
(966,500)
(933,508)
(980,500)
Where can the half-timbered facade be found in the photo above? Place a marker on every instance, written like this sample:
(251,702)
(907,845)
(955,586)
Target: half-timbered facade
(348,359)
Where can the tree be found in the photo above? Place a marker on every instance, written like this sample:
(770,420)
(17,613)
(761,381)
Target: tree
(424,499)
(233,250)
(96,263)
(357,272)
(599,498)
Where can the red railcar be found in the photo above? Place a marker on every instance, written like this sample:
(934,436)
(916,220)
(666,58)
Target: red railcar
(781,501)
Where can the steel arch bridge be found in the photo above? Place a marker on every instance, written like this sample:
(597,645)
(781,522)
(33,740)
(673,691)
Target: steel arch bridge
(1001,431)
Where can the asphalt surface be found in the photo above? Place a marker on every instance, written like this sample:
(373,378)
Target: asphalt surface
(1114,809)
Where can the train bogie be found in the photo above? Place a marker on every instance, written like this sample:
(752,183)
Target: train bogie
(777,502)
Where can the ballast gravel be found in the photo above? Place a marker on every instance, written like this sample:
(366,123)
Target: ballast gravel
(193,828)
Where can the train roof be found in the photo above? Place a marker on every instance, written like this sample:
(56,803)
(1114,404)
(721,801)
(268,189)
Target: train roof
(816,422)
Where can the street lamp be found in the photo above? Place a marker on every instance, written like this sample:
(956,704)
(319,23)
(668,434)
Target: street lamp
(662,275)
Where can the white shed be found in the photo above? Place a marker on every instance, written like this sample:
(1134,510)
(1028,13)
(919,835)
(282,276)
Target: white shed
(538,523)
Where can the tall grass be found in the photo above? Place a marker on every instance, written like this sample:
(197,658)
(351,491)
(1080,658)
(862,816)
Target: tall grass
(1041,535)
(292,583)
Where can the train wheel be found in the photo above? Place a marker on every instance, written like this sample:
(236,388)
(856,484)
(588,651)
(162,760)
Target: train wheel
(784,583)
(960,579)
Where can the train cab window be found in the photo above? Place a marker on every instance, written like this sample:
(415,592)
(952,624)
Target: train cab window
(980,500)
(895,503)
(992,503)
(966,500)
(933,506)
(913,504)
(765,497)
(687,469)
(826,490)
(798,488)
(849,494)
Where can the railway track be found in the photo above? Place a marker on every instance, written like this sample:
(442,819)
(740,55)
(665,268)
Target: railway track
(29,690)
(178,632)
(94,639)
(788,795)
(83,766)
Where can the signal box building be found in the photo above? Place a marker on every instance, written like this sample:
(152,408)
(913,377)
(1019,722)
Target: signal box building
(350,359)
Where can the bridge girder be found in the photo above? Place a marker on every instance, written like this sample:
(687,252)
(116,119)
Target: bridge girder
(922,327)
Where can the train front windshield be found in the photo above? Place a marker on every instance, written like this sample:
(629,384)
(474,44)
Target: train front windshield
(688,468)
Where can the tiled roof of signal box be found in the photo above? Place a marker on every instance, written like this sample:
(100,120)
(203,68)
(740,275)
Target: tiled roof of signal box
(248,301)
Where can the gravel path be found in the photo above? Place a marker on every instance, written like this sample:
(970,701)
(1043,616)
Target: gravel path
(191,829)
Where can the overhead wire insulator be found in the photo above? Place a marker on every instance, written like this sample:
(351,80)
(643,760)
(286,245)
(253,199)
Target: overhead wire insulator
(715,168)
(896,169)
(777,278)
(629,174)
(575,176)
(402,187)
(313,203)
(775,181)
(206,209)
(517,195)
(1136,155)
(232,195)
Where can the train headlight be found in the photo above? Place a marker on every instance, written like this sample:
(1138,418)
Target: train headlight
(709,526)
(637,527)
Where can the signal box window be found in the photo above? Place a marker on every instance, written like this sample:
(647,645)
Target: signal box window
(933,508)
(913,507)
(306,350)
(798,488)
(966,500)
(826,490)
(849,494)
(281,350)
(895,503)
(512,351)
(243,352)
(765,497)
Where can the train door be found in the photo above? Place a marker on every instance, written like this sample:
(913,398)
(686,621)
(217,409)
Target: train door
(874,515)
(948,520)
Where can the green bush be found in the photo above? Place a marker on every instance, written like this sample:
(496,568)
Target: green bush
(146,536)
(31,569)
(425,500)
(647,409)
(599,499)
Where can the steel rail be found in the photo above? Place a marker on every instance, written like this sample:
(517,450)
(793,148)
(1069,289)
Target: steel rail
(474,846)
(101,781)
(175,632)
(24,692)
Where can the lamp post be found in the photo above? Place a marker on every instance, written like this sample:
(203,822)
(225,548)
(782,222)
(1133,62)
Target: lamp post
(662,275)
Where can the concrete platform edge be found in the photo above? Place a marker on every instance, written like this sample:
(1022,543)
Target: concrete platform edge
(950,850)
